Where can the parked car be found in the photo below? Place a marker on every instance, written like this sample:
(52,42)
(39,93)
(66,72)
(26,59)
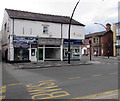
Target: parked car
(76,54)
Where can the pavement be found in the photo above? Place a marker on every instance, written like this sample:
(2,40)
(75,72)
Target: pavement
(84,61)
(34,65)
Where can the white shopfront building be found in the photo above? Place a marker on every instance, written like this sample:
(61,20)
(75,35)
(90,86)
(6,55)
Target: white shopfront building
(30,36)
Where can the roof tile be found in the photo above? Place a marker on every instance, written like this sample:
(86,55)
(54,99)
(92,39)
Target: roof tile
(17,14)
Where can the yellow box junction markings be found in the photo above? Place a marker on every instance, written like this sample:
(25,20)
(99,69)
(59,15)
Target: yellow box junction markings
(2,92)
(46,90)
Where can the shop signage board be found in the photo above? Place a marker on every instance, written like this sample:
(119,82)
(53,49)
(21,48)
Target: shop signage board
(46,41)
(28,40)
(73,42)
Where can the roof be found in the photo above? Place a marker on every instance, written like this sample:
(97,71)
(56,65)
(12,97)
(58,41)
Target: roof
(95,34)
(25,15)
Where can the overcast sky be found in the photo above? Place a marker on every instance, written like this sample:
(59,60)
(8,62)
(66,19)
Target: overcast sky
(88,11)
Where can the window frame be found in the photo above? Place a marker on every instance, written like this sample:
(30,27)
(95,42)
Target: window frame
(45,29)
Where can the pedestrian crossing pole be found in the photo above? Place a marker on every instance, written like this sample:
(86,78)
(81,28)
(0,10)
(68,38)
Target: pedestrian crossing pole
(90,42)
(90,48)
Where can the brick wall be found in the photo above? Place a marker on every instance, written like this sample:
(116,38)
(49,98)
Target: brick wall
(107,44)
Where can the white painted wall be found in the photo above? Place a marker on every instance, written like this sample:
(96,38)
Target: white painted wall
(54,29)
(6,36)
(37,28)
(0,40)
(5,33)
(77,32)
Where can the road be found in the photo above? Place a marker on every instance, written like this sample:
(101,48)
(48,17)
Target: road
(58,82)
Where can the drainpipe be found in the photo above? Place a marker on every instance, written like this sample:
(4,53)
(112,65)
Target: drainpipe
(11,46)
(12,40)
(61,42)
(114,39)
(13,30)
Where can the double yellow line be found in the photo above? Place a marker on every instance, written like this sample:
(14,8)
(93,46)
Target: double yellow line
(96,95)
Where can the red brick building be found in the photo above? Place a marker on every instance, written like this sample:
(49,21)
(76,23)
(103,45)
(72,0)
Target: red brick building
(102,43)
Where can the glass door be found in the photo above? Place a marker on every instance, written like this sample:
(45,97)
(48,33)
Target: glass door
(40,53)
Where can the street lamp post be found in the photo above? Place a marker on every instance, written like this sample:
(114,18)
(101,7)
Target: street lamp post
(101,25)
(69,31)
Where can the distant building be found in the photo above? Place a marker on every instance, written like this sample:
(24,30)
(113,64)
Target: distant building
(117,39)
(28,36)
(0,40)
(102,43)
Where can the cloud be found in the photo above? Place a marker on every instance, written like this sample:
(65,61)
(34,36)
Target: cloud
(103,12)
(87,12)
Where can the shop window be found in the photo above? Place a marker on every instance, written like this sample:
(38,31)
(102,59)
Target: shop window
(74,53)
(65,53)
(76,50)
(21,54)
(118,38)
(52,53)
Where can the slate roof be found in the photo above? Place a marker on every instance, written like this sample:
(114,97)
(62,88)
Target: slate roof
(25,15)
(95,34)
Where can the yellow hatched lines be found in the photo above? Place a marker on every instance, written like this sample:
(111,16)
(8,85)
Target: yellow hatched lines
(2,92)
(50,95)
(43,91)
(46,90)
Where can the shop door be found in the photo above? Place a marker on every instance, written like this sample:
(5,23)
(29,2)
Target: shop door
(40,53)
(33,54)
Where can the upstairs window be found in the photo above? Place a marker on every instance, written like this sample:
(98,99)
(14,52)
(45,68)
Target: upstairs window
(97,40)
(45,29)
(5,26)
(94,40)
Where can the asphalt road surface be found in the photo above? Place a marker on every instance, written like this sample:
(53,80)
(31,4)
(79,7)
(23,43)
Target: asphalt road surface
(68,82)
